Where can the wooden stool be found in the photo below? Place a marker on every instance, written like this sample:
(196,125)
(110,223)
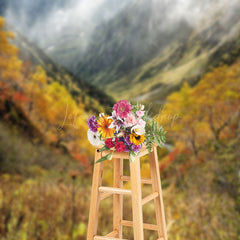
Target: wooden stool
(100,192)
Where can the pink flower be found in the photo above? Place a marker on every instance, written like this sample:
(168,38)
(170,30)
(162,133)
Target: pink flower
(130,120)
(141,122)
(140,113)
(122,108)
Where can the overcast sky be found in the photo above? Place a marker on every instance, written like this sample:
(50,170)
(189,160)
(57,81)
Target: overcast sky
(46,21)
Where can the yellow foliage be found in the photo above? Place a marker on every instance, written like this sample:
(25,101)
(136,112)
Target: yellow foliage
(204,110)
(39,77)
(48,104)
(10,65)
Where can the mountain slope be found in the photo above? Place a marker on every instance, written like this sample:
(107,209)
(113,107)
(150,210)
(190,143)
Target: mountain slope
(91,96)
(43,101)
(142,51)
(62,28)
(142,55)
(131,39)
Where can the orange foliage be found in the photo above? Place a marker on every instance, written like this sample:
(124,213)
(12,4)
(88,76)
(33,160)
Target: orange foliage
(207,111)
(81,158)
(47,103)
(20,97)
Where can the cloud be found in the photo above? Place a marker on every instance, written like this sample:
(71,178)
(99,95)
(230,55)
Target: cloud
(48,22)
(194,11)
(45,22)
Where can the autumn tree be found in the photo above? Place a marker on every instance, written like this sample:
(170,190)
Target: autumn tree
(10,65)
(44,101)
(206,111)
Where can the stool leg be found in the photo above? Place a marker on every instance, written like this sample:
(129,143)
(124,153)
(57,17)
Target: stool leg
(136,199)
(156,185)
(95,198)
(117,198)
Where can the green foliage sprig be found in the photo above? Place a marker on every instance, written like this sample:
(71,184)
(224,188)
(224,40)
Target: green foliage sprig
(154,134)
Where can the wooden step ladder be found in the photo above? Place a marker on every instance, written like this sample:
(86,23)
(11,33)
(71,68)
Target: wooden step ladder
(100,192)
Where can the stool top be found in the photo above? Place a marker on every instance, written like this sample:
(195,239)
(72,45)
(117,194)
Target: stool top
(124,155)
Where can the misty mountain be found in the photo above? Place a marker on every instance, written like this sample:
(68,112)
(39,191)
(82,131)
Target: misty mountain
(139,49)
(143,53)
(3,6)
(132,38)
(80,89)
(59,24)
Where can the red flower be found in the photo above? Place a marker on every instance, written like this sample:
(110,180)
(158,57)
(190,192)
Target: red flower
(120,147)
(109,143)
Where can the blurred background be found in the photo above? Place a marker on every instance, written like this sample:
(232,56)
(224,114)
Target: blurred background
(61,61)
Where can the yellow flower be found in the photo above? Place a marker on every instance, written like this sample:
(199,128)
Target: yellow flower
(137,139)
(104,129)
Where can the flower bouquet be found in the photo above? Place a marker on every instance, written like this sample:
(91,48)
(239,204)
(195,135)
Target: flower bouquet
(126,130)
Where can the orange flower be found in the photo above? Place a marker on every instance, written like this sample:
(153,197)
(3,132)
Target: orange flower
(104,129)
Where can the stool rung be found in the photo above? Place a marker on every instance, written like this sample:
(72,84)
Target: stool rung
(143,180)
(149,198)
(113,190)
(112,234)
(105,195)
(148,226)
(107,238)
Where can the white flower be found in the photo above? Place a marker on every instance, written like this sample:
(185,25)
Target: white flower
(141,107)
(141,122)
(117,121)
(112,125)
(94,138)
(138,129)
(114,115)
(120,134)
(101,114)
(140,113)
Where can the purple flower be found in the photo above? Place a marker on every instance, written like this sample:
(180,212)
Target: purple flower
(136,148)
(121,139)
(92,124)
(127,140)
(126,148)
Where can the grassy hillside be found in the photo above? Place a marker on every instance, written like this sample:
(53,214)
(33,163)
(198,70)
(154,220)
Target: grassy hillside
(46,195)
(203,126)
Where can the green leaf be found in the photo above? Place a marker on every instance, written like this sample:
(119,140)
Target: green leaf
(104,148)
(132,156)
(107,157)
(110,156)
